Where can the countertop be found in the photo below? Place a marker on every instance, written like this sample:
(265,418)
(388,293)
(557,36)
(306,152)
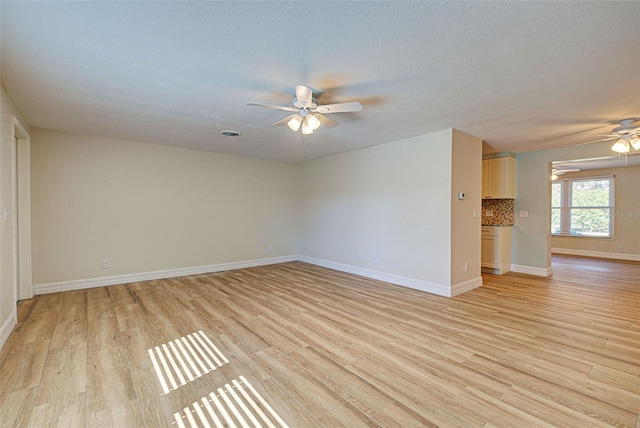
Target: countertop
(497,225)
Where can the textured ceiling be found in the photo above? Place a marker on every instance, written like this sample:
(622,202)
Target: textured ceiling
(520,75)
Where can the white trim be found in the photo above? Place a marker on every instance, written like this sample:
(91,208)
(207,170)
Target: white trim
(80,284)
(416,284)
(463,287)
(531,270)
(21,177)
(7,328)
(429,287)
(22,132)
(598,254)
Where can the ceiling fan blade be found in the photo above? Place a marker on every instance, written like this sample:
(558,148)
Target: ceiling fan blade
(304,95)
(324,120)
(285,120)
(598,141)
(339,108)
(285,108)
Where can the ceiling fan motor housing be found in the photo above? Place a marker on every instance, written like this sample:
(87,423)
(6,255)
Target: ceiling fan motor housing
(626,126)
(628,129)
(303,104)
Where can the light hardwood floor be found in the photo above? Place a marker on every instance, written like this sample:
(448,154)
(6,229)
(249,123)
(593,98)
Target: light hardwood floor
(328,349)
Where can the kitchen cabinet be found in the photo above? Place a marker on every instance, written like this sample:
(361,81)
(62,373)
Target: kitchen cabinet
(495,252)
(499,178)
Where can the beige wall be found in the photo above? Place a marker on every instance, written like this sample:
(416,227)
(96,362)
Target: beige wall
(466,177)
(626,217)
(8,237)
(394,201)
(149,207)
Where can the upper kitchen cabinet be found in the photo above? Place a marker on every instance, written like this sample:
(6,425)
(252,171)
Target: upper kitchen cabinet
(499,178)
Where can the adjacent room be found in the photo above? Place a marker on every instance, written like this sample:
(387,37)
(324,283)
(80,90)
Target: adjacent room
(319,214)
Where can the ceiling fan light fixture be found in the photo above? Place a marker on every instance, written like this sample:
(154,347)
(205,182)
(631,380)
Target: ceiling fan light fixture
(635,143)
(295,123)
(306,128)
(621,146)
(313,122)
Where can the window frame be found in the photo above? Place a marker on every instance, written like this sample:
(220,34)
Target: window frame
(566,208)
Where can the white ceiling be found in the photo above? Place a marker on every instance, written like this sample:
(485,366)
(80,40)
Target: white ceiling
(521,75)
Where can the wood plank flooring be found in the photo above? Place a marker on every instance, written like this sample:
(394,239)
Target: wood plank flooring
(302,346)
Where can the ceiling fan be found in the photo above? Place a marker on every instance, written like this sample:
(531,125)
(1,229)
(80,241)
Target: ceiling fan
(308,114)
(627,136)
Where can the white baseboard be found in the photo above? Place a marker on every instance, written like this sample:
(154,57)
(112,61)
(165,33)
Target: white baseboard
(465,286)
(416,284)
(598,254)
(7,328)
(429,287)
(531,270)
(80,284)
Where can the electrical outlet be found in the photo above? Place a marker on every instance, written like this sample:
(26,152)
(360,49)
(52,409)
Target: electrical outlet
(466,267)
(524,213)
(270,248)
(311,248)
(361,256)
(620,250)
(374,258)
(106,264)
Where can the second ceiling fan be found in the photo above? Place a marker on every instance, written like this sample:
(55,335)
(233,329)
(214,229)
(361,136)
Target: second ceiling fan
(627,135)
(308,114)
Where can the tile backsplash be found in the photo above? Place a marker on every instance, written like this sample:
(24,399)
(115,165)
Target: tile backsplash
(498,211)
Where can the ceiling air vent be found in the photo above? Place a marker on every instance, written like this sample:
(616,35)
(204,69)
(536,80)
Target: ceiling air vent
(231,134)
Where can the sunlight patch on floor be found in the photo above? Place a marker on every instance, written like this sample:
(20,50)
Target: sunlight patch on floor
(237,404)
(183,360)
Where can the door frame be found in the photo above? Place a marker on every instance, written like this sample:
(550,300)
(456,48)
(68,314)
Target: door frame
(21,177)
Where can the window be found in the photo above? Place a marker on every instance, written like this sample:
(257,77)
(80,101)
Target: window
(582,207)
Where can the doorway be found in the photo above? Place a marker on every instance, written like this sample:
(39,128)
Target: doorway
(594,207)
(22,223)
